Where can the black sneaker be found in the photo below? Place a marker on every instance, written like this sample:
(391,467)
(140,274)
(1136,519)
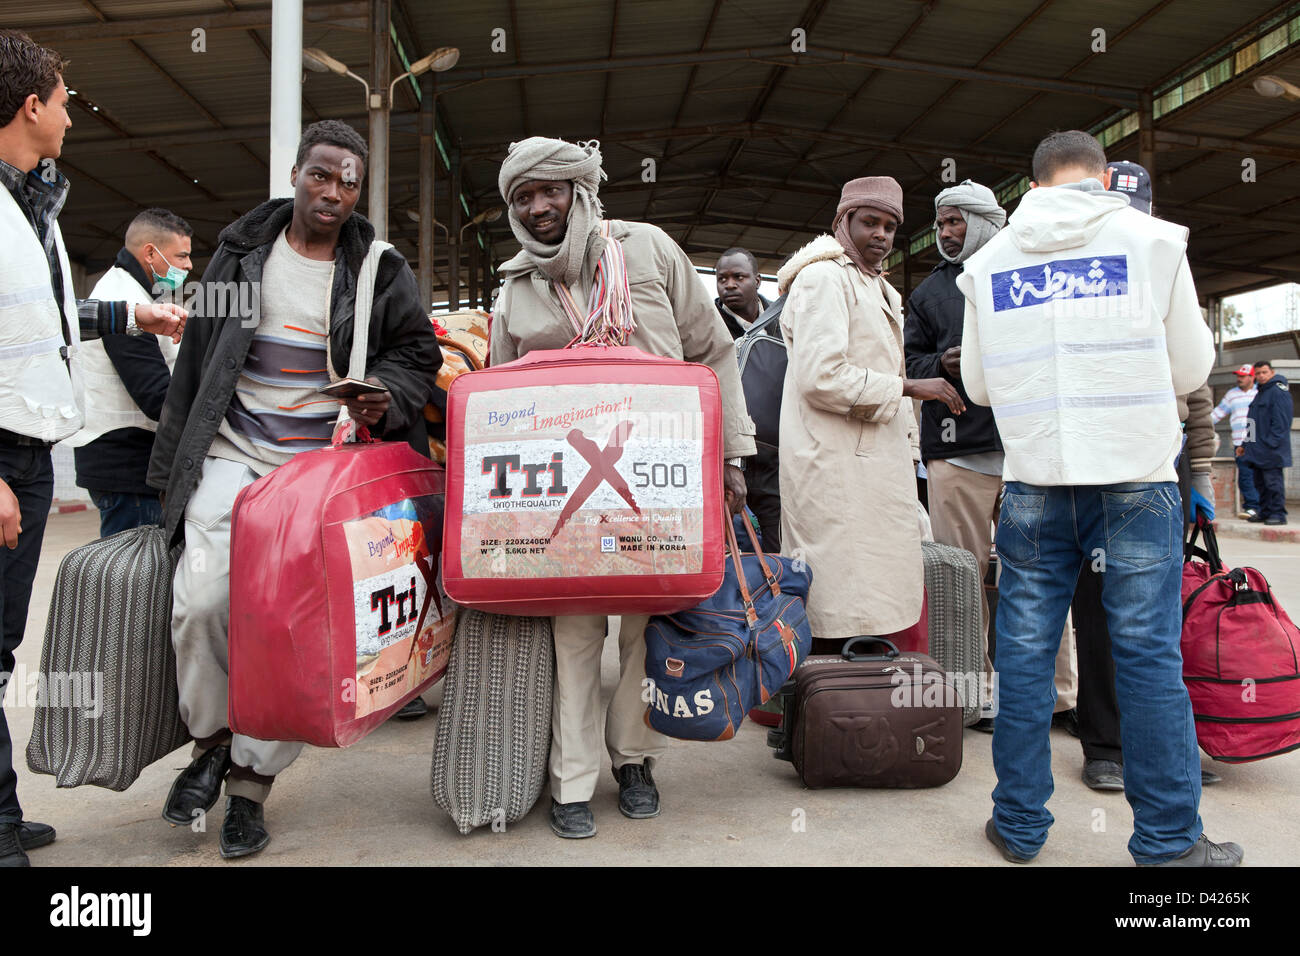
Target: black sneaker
(1274,521)
(244,831)
(11,850)
(1256,519)
(991,831)
(1205,853)
(1103,775)
(638,797)
(572,821)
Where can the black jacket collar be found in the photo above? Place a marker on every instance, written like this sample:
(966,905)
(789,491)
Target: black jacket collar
(261,226)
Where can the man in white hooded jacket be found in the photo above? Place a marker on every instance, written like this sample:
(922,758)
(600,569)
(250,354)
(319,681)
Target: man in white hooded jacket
(1081,327)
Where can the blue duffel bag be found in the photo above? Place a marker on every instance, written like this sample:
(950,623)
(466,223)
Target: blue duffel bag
(707,666)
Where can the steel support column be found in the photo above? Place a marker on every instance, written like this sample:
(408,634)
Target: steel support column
(380,43)
(428,164)
(453,236)
(286,93)
(474,260)
(1146,134)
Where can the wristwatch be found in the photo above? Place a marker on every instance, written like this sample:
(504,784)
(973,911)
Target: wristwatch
(131,327)
(737,463)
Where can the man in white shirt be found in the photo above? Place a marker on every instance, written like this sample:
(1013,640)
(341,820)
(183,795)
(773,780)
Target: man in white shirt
(40,377)
(1082,326)
(1236,404)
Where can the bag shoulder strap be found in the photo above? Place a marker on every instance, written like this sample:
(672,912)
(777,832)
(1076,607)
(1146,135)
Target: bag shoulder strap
(361,310)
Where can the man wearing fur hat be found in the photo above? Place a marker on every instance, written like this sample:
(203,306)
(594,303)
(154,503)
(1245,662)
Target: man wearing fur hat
(962,453)
(845,426)
(550,295)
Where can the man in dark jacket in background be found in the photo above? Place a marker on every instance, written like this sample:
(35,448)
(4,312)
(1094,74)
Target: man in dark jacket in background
(742,308)
(962,453)
(243,401)
(1270,451)
(126,376)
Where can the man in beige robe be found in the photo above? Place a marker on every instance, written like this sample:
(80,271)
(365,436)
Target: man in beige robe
(845,427)
(550,190)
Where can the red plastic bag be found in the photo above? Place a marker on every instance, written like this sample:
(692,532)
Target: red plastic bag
(584,481)
(337,613)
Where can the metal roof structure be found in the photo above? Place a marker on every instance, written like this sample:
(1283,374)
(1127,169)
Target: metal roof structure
(727,122)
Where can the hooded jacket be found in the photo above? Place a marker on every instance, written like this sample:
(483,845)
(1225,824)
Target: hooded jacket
(1081,327)
(935,313)
(1270,417)
(402,353)
(849,486)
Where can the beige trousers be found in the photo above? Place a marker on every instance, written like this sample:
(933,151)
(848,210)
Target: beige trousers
(963,513)
(201,628)
(575,714)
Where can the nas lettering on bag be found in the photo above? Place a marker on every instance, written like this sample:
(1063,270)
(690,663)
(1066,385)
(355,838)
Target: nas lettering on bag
(1062,279)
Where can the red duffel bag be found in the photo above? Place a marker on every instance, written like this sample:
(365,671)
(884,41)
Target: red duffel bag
(1241,658)
(337,617)
(584,481)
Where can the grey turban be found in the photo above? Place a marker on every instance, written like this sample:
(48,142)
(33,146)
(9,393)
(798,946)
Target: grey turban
(979,207)
(554,159)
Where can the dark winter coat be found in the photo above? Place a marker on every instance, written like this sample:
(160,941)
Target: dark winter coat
(933,324)
(403,351)
(1270,422)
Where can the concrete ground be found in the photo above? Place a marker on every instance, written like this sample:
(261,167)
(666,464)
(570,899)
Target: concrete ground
(723,803)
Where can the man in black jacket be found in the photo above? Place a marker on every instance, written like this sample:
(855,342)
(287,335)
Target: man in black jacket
(127,376)
(1269,452)
(243,400)
(742,307)
(962,453)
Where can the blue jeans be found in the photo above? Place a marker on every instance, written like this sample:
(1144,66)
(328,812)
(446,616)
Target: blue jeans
(1044,536)
(1246,482)
(27,470)
(120,511)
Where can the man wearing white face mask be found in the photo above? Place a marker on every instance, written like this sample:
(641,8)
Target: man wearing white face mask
(127,376)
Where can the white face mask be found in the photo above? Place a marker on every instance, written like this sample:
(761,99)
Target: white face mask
(174,278)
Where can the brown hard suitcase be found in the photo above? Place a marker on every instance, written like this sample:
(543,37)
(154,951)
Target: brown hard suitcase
(873,720)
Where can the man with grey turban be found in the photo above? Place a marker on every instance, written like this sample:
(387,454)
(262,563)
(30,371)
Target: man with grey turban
(962,453)
(652,298)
